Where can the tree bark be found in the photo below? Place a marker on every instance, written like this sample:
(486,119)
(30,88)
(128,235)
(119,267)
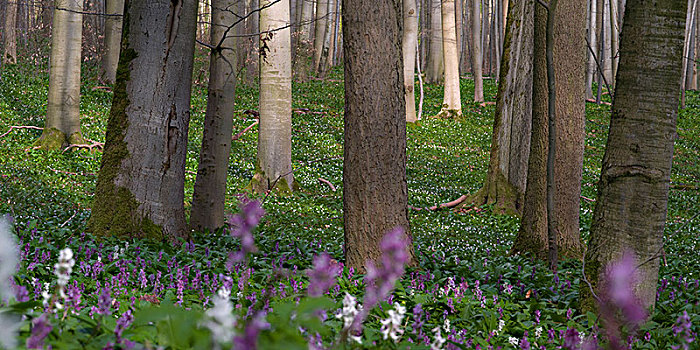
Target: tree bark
(593,42)
(113,34)
(320,33)
(477,53)
(140,187)
(253,30)
(210,185)
(631,206)
(409,42)
(510,144)
(451,103)
(569,66)
(10,36)
(274,161)
(375,195)
(435,71)
(304,42)
(63,112)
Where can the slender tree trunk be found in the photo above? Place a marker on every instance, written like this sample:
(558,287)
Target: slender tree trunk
(325,51)
(375,195)
(320,35)
(113,34)
(477,71)
(63,111)
(607,55)
(46,16)
(10,36)
(569,66)
(451,103)
(274,162)
(458,29)
(304,44)
(140,187)
(686,48)
(510,144)
(252,64)
(210,184)
(425,32)
(409,42)
(593,43)
(436,64)
(614,36)
(631,206)
(333,33)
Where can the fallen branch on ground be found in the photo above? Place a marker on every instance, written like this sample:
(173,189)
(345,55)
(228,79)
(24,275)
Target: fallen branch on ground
(451,204)
(602,102)
(322,180)
(15,127)
(237,136)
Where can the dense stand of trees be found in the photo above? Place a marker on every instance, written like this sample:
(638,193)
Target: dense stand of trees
(381,44)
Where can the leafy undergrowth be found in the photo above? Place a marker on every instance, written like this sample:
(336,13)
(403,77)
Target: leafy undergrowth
(466,292)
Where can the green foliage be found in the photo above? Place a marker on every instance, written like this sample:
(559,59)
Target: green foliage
(49,195)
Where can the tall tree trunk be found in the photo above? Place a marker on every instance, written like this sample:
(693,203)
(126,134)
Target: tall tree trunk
(325,52)
(458,29)
(451,103)
(304,43)
(10,36)
(607,55)
(631,206)
(510,144)
(592,44)
(425,33)
(140,187)
(409,42)
(333,33)
(274,162)
(436,65)
(614,36)
(113,35)
(569,67)
(210,184)
(320,34)
(253,30)
(375,195)
(63,111)
(477,71)
(46,16)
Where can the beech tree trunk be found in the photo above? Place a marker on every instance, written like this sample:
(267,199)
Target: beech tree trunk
(113,35)
(253,30)
(477,53)
(304,42)
(593,42)
(274,162)
(210,184)
(410,40)
(375,195)
(9,35)
(510,144)
(569,67)
(320,33)
(63,112)
(631,206)
(435,71)
(140,187)
(451,103)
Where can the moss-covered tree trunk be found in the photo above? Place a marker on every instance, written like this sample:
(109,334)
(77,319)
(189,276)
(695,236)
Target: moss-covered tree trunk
(113,35)
(569,67)
(273,169)
(210,184)
(510,143)
(375,195)
(140,187)
(63,112)
(631,206)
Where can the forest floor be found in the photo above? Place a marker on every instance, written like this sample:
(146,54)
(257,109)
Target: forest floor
(462,253)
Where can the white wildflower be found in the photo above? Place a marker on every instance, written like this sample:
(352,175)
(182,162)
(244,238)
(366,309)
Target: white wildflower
(501,324)
(582,337)
(8,266)
(349,311)
(391,327)
(438,341)
(64,267)
(446,326)
(513,341)
(538,332)
(219,319)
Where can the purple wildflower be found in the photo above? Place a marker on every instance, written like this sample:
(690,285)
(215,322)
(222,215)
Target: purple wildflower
(123,323)
(40,329)
(242,225)
(249,338)
(104,302)
(683,330)
(322,276)
(571,339)
(380,281)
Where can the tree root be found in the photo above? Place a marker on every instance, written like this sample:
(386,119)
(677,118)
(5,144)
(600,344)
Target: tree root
(322,180)
(451,204)
(15,127)
(93,145)
(237,136)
